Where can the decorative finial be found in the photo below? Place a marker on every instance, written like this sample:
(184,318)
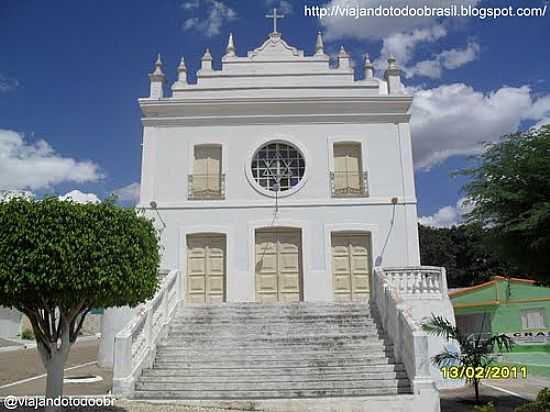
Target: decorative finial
(275,16)
(343,52)
(207,55)
(392,62)
(206,61)
(369,68)
(156,90)
(158,67)
(392,75)
(344,60)
(319,46)
(230,49)
(182,71)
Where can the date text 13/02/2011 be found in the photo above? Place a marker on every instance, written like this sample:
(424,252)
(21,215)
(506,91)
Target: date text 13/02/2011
(487,372)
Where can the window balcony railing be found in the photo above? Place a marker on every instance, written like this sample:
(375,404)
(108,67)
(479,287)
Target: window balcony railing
(349,184)
(206,186)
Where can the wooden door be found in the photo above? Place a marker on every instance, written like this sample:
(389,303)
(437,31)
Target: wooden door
(350,266)
(205,268)
(278,265)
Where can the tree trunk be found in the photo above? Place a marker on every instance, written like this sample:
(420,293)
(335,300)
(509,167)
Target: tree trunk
(476,388)
(54,362)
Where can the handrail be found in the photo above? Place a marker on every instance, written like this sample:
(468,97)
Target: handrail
(135,345)
(410,343)
(417,281)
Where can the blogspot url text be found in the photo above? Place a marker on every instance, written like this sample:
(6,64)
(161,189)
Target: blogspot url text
(426,11)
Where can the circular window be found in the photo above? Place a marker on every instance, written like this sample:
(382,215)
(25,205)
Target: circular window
(278,167)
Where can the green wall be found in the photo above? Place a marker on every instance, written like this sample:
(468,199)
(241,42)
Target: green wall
(498,299)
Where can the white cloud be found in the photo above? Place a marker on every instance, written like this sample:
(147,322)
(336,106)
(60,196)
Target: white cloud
(447,216)
(217,14)
(80,197)
(380,27)
(7,84)
(455,119)
(447,59)
(25,165)
(128,193)
(283,6)
(403,44)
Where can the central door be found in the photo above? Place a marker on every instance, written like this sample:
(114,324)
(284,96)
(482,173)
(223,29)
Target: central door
(206,268)
(278,265)
(350,266)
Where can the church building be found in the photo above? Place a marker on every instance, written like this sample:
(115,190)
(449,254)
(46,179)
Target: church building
(281,176)
(282,185)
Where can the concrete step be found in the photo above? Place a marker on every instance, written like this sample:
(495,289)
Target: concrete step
(250,380)
(283,351)
(279,351)
(276,371)
(267,363)
(273,317)
(279,385)
(269,394)
(274,340)
(223,358)
(270,334)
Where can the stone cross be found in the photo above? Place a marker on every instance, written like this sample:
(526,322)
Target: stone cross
(275,16)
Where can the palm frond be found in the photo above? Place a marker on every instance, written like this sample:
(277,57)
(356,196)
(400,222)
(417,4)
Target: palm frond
(439,326)
(447,358)
(502,342)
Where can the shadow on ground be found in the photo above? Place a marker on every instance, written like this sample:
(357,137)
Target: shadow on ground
(460,400)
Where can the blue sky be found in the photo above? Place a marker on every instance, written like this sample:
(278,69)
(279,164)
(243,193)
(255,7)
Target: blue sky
(71,71)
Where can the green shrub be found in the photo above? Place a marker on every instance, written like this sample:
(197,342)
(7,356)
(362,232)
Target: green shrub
(490,407)
(542,404)
(27,334)
(544,395)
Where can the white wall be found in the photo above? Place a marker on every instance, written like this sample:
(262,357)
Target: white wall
(169,150)
(168,159)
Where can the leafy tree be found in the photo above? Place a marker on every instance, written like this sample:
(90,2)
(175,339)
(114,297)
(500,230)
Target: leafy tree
(541,404)
(462,250)
(59,259)
(510,194)
(475,351)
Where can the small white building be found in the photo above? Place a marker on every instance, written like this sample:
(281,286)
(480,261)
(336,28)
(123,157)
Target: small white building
(280,177)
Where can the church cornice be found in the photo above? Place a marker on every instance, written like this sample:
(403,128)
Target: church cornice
(237,111)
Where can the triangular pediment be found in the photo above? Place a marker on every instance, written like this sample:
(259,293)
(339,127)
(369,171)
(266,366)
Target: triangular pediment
(275,48)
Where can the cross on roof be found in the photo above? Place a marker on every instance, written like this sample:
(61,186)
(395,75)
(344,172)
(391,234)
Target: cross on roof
(275,16)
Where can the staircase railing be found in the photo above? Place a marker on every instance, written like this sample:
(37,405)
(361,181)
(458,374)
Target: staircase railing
(410,344)
(135,345)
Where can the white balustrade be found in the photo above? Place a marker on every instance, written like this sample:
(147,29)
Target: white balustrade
(422,281)
(135,345)
(392,287)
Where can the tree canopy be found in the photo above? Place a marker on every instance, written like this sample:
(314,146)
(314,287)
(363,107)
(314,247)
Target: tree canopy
(59,259)
(464,253)
(510,194)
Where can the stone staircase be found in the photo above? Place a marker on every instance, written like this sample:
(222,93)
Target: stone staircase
(272,351)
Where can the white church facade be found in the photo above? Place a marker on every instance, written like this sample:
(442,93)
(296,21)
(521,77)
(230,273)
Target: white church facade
(279,177)
(283,189)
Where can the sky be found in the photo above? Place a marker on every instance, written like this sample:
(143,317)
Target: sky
(71,72)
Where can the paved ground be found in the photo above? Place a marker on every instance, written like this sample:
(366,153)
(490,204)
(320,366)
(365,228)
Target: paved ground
(25,363)
(460,400)
(6,343)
